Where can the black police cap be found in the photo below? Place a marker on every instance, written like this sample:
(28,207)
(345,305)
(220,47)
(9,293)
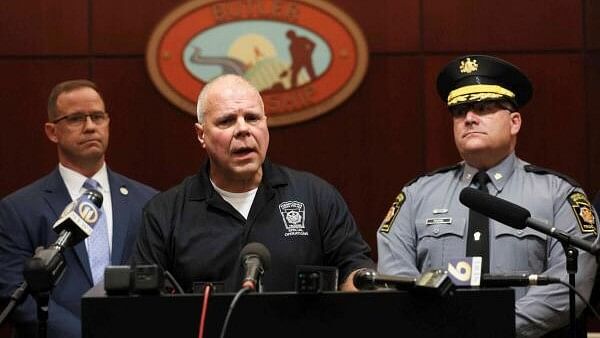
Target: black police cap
(472,78)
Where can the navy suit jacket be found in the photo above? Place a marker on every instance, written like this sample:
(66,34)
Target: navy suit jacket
(26,219)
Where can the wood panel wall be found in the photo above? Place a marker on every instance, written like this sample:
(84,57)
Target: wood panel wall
(391,129)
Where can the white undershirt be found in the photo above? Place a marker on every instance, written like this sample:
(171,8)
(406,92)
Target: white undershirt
(241,201)
(74,182)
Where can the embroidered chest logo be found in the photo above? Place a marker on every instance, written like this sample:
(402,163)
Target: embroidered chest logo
(293,214)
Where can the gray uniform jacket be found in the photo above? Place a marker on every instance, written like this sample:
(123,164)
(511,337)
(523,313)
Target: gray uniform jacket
(427,227)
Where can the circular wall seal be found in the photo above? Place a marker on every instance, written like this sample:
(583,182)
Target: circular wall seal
(304,56)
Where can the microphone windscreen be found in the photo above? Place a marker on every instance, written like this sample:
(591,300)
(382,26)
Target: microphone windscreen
(259,250)
(95,196)
(494,207)
(364,279)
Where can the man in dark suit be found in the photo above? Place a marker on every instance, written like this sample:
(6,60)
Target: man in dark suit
(79,125)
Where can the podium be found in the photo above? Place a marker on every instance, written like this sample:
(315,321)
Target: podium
(465,313)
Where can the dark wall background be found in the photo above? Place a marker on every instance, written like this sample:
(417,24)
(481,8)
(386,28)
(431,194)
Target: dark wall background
(392,128)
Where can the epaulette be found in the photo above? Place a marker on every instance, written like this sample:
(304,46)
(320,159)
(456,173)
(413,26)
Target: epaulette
(543,171)
(436,171)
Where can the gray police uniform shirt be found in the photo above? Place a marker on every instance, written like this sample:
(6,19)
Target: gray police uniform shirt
(427,226)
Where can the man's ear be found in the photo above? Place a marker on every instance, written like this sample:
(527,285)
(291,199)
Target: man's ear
(50,129)
(200,133)
(515,119)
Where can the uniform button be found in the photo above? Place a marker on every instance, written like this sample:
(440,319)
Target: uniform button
(520,232)
(436,230)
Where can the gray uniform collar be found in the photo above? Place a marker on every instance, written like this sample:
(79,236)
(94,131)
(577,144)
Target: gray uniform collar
(499,174)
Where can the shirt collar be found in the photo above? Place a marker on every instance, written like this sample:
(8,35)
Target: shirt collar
(74,180)
(201,187)
(498,175)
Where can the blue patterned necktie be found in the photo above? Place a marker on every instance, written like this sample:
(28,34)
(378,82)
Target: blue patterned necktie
(98,246)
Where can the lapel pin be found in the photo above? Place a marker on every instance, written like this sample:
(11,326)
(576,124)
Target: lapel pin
(124,191)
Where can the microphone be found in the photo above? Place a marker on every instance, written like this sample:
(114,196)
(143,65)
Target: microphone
(494,207)
(434,281)
(46,267)
(517,217)
(466,271)
(256,259)
(369,279)
(516,280)
(76,221)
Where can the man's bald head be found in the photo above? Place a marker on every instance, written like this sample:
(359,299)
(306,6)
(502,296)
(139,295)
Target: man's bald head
(219,84)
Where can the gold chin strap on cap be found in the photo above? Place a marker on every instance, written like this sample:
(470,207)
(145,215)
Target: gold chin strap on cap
(478,92)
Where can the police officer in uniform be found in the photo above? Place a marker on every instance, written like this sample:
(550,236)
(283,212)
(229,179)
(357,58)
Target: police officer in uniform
(197,229)
(427,226)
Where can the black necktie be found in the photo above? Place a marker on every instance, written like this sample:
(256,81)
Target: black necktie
(478,240)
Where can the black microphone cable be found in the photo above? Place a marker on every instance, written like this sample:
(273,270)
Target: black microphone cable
(231,306)
(15,298)
(174,282)
(594,312)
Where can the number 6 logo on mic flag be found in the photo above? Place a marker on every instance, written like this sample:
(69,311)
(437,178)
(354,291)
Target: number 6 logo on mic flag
(88,212)
(465,271)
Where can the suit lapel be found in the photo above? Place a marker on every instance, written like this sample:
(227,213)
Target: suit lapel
(119,194)
(58,197)
(84,260)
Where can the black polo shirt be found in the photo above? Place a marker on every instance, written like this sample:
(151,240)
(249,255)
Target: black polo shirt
(192,232)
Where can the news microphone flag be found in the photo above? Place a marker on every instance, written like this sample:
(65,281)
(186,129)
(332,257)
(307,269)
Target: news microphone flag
(465,271)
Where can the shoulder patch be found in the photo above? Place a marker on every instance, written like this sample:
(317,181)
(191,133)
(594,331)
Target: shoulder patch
(543,171)
(583,212)
(436,171)
(386,225)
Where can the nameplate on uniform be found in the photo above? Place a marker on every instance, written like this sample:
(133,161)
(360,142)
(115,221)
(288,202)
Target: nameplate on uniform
(440,220)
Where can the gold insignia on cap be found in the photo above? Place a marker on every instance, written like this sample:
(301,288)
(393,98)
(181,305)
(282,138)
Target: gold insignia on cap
(468,66)
(386,225)
(478,92)
(583,212)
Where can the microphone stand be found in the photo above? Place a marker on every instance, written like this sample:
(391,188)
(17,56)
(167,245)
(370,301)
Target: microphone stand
(41,273)
(39,281)
(571,264)
(42,298)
